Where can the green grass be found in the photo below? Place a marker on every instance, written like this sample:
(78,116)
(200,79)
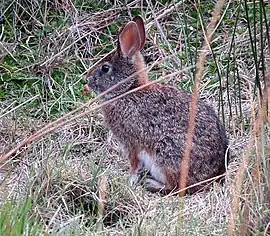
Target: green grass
(18,219)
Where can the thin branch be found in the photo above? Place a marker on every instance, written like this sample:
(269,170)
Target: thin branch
(63,120)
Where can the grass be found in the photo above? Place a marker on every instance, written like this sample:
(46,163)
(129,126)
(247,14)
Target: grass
(75,180)
(16,219)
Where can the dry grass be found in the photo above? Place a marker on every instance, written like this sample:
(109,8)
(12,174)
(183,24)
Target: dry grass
(64,173)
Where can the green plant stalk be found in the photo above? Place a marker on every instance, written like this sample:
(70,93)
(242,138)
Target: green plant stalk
(266,24)
(218,72)
(253,48)
(239,93)
(262,42)
(228,64)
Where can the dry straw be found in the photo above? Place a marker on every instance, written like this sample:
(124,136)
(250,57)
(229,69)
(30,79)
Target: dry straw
(263,117)
(256,130)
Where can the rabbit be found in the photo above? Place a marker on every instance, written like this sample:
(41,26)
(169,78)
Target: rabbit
(151,123)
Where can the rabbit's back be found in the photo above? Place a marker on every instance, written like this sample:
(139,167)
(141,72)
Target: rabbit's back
(155,120)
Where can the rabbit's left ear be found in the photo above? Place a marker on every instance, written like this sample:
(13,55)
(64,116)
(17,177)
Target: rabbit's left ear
(129,39)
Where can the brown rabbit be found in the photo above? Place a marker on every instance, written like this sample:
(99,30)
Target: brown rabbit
(152,123)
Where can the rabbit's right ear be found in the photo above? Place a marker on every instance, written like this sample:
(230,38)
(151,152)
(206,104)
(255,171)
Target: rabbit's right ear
(140,24)
(129,39)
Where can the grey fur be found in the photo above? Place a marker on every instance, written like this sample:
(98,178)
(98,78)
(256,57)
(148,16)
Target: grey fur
(155,120)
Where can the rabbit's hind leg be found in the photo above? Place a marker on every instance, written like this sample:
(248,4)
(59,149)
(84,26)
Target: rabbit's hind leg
(155,180)
(154,186)
(150,164)
(136,165)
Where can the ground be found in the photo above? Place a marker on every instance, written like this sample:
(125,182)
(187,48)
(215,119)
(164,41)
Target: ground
(74,180)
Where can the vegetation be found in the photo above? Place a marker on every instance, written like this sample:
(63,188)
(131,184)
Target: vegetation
(74,180)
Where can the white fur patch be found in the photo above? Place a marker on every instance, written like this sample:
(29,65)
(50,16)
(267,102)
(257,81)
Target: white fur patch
(149,163)
(134,179)
(154,185)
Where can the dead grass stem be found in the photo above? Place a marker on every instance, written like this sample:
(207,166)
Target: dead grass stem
(63,120)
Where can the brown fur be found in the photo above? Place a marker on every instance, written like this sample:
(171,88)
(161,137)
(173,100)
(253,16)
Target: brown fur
(156,119)
(134,161)
(140,66)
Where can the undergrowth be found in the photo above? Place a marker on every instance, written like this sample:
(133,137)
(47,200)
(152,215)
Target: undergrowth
(75,180)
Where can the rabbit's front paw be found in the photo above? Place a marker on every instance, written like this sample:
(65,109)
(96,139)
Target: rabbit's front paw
(134,179)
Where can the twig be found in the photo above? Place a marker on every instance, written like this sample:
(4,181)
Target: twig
(165,13)
(194,185)
(63,120)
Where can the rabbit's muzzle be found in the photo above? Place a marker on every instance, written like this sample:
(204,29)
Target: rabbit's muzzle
(92,84)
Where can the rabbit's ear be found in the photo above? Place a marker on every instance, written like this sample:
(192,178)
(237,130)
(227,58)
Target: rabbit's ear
(139,21)
(129,39)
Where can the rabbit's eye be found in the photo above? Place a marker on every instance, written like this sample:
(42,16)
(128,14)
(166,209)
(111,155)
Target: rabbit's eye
(105,68)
